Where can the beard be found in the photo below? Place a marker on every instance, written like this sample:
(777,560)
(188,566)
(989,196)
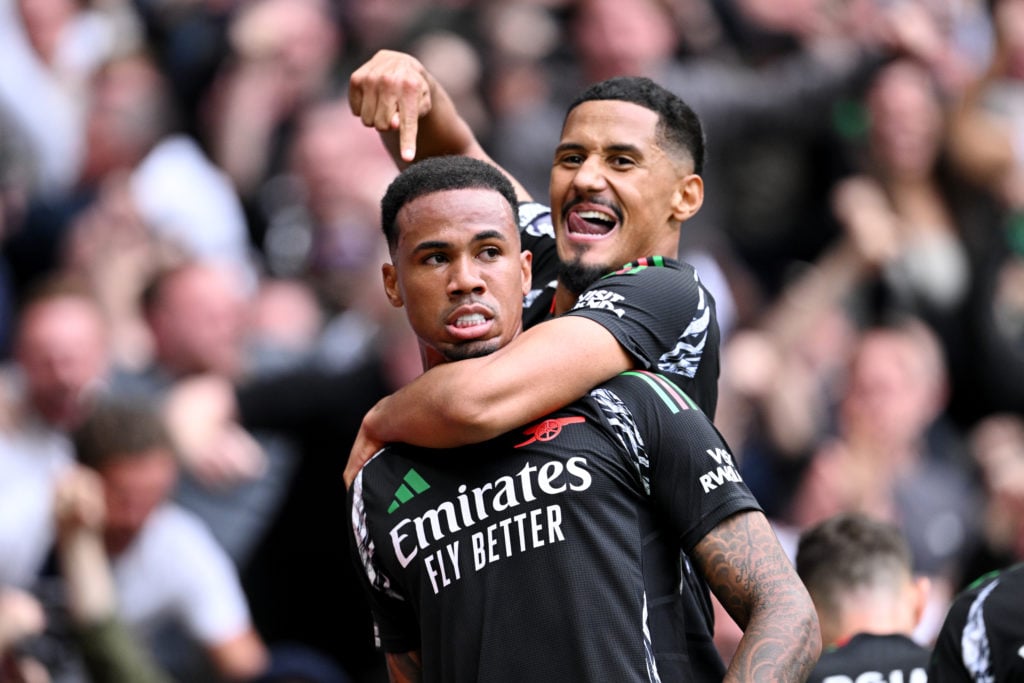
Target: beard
(476,349)
(577,276)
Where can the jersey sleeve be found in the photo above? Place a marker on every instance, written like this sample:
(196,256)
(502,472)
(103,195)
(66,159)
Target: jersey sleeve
(664,317)
(682,461)
(538,237)
(946,663)
(395,623)
(652,311)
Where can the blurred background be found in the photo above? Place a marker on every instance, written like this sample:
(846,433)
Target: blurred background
(184,192)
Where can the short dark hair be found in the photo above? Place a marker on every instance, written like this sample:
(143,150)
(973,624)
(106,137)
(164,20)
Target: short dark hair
(678,125)
(847,551)
(438,174)
(117,427)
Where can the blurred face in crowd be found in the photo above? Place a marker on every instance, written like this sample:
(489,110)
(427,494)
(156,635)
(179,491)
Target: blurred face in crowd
(460,273)
(134,487)
(616,38)
(299,36)
(617,193)
(61,348)
(129,111)
(198,322)
(344,200)
(896,388)
(906,120)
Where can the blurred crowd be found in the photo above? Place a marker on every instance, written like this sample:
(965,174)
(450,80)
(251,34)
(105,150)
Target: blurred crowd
(184,193)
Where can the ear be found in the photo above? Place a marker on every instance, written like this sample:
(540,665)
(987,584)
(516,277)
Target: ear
(688,197)
(526,262)
(922,593)
(390,276)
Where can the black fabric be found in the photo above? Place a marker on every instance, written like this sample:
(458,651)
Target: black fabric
(982,638)
(873,657)
(657,308)
(301,585)
(536,556)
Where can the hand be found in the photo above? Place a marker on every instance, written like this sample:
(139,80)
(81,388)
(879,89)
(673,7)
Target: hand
(233,457)
(861,206)
(392,91)
(911,27)
(200,414)
(363,449)
(78,503)
(21,616)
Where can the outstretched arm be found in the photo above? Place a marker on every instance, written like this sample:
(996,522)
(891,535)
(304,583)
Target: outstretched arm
(394,93)
(544,368)
(752,577)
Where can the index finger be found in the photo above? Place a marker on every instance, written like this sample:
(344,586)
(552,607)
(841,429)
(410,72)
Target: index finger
(408,120)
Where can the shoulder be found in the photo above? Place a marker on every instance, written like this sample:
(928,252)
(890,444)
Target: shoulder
(653,283)
(659,267)
(535,220)
(865,654)
(993,590)
(989,607)
(657,411)
(983,630)
(646,389)
(385,479)
(175,531)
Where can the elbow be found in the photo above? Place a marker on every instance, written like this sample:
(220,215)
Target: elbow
(242,658)
(811,630)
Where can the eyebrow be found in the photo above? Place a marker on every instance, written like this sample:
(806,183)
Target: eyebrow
(481,236)
(618,147)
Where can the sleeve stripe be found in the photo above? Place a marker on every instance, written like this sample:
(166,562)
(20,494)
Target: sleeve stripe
(668,392)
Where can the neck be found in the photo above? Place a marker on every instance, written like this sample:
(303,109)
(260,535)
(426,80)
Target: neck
(564,299)
(883,614)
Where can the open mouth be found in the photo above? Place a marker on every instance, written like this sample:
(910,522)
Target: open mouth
(470,320)
(470,323)
(591,222)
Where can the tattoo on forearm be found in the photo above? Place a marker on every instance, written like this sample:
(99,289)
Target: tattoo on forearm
(756,583)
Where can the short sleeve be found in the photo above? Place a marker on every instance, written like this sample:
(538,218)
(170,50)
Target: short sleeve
(664,318)
(684,464)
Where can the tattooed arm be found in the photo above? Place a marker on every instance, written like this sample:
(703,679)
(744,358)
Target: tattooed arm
(745,566)
(404,667)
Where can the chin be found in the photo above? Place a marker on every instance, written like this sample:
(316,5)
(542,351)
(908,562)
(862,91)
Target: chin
(577,275)
(476,349)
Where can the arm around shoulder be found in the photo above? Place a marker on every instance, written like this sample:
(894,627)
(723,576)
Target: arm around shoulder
(546,367)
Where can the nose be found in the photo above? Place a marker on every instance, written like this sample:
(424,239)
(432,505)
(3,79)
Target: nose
(68,372)
(590,175)
(465,278)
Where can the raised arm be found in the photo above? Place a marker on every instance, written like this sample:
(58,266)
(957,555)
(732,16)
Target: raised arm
(110,652)
(546,367)
(752,577)
(394,93)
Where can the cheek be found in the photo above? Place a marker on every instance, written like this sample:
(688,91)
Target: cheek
(422,318)
(560,181)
